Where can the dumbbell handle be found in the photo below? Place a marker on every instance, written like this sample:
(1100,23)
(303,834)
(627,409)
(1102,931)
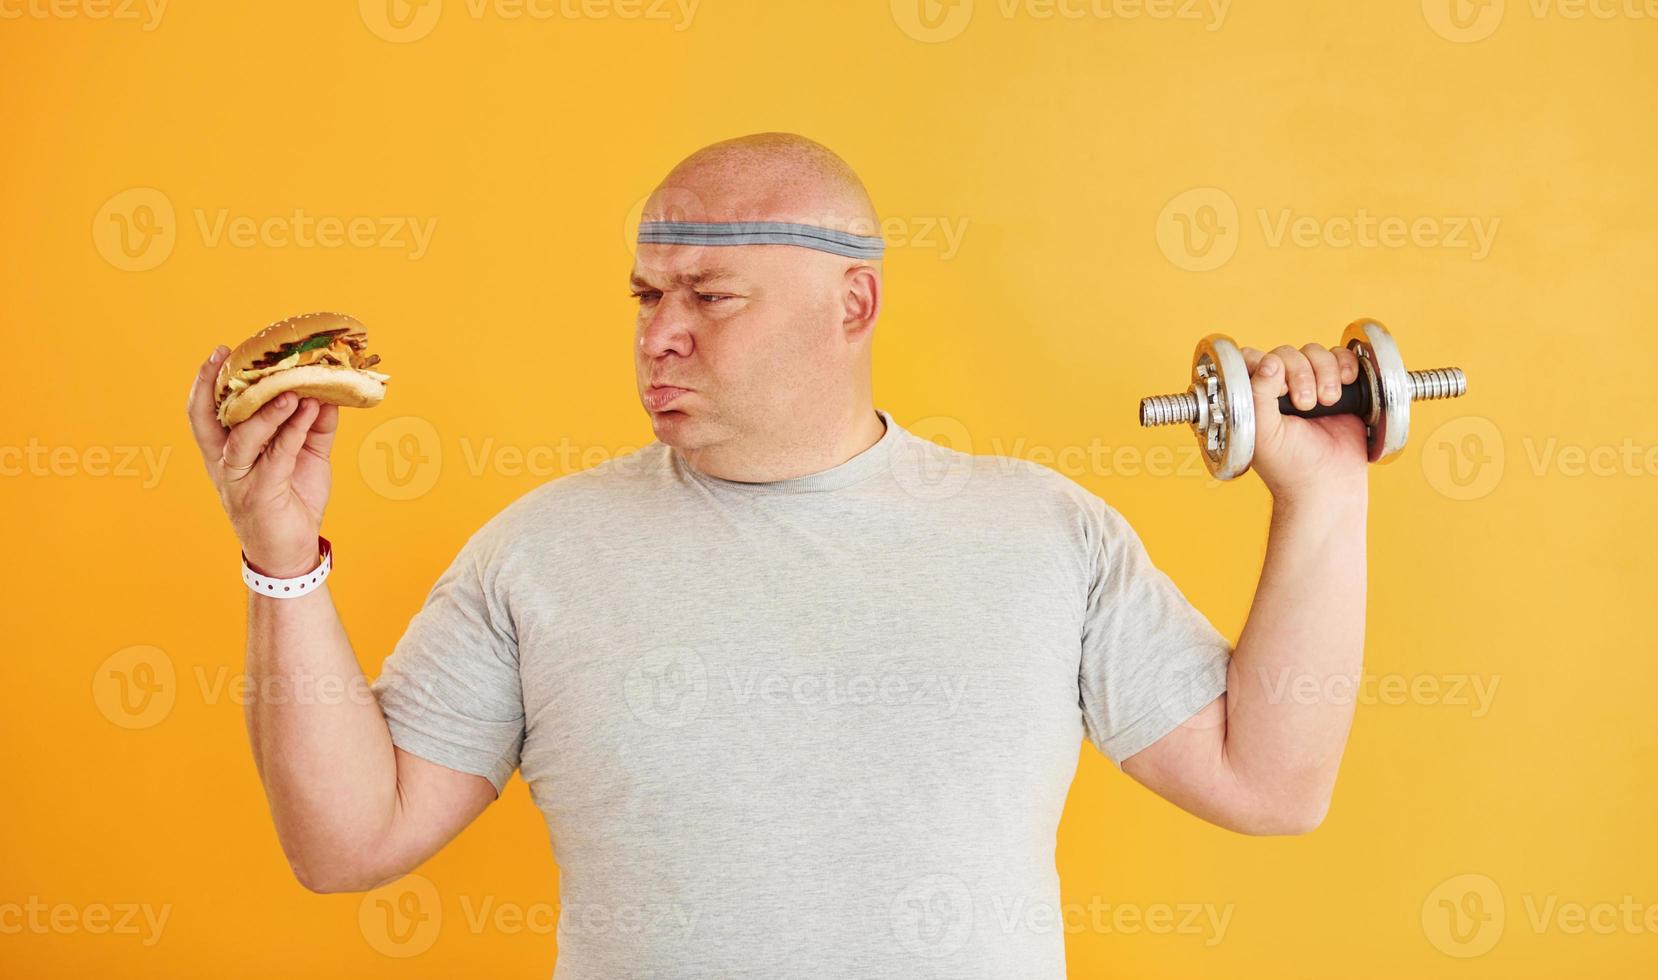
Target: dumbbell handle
(1355,398)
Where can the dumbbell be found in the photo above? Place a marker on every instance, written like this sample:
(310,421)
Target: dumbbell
(1220,406)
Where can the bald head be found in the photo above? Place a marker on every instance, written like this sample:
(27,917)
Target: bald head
(765,177)
(753,359)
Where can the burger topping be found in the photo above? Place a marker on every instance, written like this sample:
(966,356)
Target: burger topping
(341,348)
(310,343)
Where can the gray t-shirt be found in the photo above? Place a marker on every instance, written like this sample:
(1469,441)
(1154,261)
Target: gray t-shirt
(819,727)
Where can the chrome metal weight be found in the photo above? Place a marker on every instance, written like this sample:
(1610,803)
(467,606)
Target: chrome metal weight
(1220,405)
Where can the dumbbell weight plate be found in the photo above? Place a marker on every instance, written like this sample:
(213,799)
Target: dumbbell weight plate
(1389,421)
(1219,360)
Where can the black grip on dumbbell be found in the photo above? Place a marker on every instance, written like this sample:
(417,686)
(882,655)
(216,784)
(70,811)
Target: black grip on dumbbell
(1354,400)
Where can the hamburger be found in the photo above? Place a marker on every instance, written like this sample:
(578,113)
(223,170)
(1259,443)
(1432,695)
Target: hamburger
(315,355)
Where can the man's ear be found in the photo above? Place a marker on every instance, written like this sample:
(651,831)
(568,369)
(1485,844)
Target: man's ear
(861,298)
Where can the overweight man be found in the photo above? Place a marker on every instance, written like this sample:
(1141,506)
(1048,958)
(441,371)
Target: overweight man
(799,692)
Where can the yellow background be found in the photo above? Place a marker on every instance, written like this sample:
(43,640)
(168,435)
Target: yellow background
(1052,145)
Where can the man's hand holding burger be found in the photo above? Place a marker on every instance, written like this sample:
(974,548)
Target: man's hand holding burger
(279,393)
(271,471)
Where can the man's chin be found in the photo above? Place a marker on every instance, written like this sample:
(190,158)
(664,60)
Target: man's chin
(670,425)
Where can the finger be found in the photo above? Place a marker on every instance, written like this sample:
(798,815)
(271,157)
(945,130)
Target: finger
(1298,376)
(1266,384)
(1271,367)
(248,438)
(1326,373)
(1349,362)
(285,446)
(320,440)
(201,407)
(1251,357)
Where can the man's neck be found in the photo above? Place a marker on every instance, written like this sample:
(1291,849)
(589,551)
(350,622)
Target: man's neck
(800,453)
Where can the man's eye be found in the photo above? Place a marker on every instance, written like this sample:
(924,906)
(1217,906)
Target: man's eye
(711,297)
(644,296)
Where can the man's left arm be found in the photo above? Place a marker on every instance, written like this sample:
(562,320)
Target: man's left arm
(1262,758)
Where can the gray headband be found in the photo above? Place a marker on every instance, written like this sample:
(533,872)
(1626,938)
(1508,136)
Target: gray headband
(761,233)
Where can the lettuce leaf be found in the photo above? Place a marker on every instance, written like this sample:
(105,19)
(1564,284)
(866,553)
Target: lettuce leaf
(298,347)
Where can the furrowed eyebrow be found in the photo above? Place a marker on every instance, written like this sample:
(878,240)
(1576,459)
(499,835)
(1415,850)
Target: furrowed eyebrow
(694,279)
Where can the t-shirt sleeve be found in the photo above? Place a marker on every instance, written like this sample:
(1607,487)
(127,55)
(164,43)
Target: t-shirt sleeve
(450,690)
(1150,659)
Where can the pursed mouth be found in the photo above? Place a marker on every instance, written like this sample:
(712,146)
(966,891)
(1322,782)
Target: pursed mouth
(659,397)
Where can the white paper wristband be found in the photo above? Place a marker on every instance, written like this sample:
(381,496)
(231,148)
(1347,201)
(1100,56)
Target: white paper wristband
(291,588)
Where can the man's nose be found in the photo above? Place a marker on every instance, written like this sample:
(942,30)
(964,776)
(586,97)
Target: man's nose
(667,327)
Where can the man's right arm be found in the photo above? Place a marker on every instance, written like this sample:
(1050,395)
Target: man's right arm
(352,810)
